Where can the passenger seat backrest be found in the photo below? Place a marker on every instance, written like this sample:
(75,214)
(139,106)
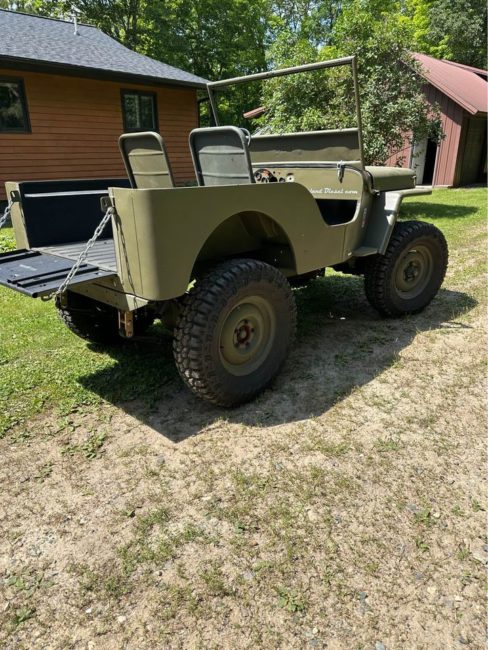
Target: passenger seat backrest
(146,160)
(221,156)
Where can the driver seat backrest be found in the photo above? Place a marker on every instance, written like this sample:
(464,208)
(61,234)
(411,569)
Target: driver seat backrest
(146,160)
(221,156)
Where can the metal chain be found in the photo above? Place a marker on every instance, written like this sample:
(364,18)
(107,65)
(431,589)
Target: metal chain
(6,214)
(83,255)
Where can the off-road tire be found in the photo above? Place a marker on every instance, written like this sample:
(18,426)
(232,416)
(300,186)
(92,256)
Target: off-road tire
(414,246)
(96,322)
(237,299)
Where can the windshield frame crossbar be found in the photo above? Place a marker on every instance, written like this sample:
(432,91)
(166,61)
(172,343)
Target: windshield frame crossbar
(212,86)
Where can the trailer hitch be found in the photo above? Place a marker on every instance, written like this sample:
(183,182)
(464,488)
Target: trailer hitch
(126,324)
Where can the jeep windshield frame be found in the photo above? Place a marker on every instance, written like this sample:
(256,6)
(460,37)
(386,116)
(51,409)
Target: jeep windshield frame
(214,86)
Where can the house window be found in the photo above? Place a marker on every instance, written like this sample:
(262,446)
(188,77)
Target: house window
(14,117)
(139,111)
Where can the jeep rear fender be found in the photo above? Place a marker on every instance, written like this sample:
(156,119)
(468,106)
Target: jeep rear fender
(160,234)
(250,234)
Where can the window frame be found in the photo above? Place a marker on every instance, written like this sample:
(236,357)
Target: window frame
(26,129)
(139,93)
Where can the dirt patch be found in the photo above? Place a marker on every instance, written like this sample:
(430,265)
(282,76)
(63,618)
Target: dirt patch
(344,508)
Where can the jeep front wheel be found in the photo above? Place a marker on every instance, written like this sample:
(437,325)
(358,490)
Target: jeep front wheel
(408,276)
(234,332)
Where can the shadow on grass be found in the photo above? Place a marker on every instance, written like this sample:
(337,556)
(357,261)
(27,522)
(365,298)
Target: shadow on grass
(417,210)
(341,344)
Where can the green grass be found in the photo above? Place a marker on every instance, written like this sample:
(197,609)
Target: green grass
(44,367)
(449,210)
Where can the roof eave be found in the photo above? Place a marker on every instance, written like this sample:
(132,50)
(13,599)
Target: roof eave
(95,73)
(427,75)
(455,98)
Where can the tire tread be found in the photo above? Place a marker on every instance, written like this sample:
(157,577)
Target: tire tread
(379,268)
(199,307)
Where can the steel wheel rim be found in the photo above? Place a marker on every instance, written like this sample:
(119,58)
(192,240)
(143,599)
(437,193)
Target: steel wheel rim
(413,271)
(247,335)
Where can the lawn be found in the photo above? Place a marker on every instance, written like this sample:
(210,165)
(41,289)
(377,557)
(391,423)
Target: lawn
(343,508)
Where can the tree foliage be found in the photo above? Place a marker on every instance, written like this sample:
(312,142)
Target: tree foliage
(215,38)
(311,20)
(219,37)
(392,101)
(449,29)
(457,31)
(212,38)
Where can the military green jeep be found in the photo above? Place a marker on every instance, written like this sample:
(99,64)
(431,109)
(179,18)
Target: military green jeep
(216,263)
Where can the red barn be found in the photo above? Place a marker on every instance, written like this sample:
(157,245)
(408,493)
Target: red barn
(461,92)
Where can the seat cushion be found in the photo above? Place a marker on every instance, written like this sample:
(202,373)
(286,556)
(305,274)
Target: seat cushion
(391,178)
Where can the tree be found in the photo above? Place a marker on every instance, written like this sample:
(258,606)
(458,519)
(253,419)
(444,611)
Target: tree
(39,7)
(449,29)
(214,39)
(457,31)
(311,20)
(393,105)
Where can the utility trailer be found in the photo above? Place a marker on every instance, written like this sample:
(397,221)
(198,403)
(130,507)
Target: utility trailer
(216,262)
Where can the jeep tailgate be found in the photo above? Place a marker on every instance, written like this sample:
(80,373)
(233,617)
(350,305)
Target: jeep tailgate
(39,274)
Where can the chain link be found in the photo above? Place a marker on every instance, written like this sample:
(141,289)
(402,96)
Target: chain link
(6,214)
(83,255)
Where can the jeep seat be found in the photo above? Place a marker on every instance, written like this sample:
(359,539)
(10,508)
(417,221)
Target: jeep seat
(221,156)
(146,160)
(386,179)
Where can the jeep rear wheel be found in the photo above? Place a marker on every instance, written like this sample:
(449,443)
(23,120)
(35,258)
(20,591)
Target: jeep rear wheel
(408,276)
(234,332)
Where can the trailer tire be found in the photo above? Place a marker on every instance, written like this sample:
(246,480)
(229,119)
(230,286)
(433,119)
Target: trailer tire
(234,331)
(94,321)
(408,276)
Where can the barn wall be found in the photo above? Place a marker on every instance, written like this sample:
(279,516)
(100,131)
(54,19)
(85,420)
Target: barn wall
(402,157)
(76,122)
(452,121)
(472,151)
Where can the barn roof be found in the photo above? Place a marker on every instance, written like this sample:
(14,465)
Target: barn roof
(46,42)
(465,85)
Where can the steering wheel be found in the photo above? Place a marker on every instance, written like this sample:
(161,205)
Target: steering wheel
(263,175)
(248,136)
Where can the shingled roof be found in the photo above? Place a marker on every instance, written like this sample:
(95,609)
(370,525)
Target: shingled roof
(465,85)
(35,41)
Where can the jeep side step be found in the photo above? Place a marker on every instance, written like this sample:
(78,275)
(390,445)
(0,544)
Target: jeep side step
(38,274)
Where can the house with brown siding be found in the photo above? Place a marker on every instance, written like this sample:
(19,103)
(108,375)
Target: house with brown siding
(461,94)
(67,92)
